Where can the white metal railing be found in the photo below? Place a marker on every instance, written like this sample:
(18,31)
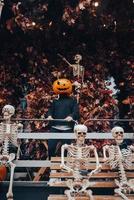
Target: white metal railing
(47,163)
(43,119)
(44,136)
(32,163)
(92,135)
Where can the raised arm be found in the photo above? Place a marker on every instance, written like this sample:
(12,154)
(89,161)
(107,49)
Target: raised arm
(65,60)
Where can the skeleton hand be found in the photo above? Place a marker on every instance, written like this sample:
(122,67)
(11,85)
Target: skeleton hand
(105,159)
(99,167)
(77,174)
(97,170)
(11,157)
(20,125)
(49,118)
(69,118)
(69,170)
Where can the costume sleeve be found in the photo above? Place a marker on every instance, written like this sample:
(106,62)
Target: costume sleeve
(51,110)
(75,110)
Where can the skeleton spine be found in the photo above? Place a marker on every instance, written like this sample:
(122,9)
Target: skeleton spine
(5,150)
(122,173)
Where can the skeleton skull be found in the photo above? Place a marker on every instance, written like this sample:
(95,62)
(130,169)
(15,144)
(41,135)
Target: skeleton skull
(80,131)
(77,58)
(8,111)
(118,134)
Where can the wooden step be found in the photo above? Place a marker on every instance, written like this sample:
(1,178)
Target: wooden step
(96,197)
(56,166)
(109,175)
(95,184)
(56,162)
(92,159)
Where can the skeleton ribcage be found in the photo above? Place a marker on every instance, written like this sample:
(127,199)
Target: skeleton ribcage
(78,70)
(127,158)
(124,155)
(1,132)
(11,130)
(78,157)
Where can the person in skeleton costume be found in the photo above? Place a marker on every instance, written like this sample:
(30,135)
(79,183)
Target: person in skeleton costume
(8,135)
(78,156)
(120,159)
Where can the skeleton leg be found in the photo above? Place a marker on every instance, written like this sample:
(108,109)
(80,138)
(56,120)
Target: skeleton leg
(10,190)
(85,185)
(131,184)
(68,193)
(89,193)
(69,184)
(119,192)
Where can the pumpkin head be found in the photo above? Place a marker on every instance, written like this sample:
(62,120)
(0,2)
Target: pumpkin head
(62,86)
(3,173)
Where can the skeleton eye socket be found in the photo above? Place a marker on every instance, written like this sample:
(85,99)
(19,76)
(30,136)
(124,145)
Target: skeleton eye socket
(6,110)
(81,133)
(121,133)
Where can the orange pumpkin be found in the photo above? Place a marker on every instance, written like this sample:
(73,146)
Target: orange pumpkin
(62,86)
(3,173)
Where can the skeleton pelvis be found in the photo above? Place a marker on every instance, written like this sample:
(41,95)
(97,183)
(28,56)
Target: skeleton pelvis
(4,158)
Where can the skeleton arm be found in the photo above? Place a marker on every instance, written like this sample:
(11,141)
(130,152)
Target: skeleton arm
(64,59)
(132,147)
(20,127)
(105,149)
(98,165)
(63,166)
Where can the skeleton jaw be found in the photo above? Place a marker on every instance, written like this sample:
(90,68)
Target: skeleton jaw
(7,119)
(80,141)
(119,141)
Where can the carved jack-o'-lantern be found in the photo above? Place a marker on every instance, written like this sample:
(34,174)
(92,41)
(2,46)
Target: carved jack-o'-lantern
(62,86)
(3,173)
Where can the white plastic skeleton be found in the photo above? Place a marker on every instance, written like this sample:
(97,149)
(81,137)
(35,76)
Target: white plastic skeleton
(78,157)
(78,70)
(121,160)
(8,134)
(1,6)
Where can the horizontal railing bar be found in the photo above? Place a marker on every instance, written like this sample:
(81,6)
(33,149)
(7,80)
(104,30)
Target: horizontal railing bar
(33,163)
(37,163)
(26,183)
(93,135)
(35,119)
